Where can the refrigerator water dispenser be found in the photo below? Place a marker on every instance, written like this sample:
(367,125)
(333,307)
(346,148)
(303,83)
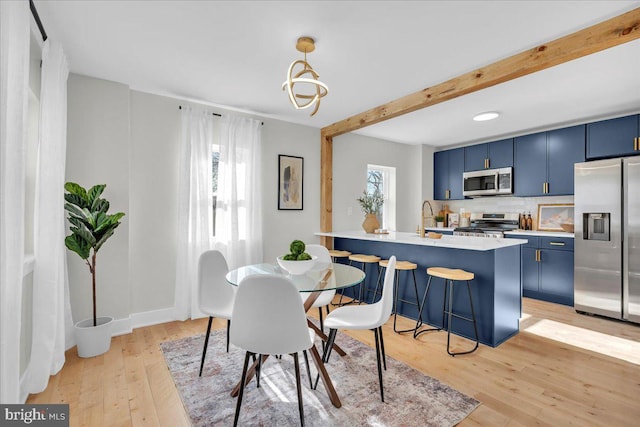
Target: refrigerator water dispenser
(596,226)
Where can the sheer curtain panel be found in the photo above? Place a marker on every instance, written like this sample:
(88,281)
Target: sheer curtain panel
(239,203)
(14,81)
(195,210)
(51,307)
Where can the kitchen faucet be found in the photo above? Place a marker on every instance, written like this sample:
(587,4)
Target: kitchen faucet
(423,217)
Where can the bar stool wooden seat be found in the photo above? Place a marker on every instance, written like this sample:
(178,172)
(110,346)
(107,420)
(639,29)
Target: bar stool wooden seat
(402,266)
(450,276)
(364,260)
(335,254)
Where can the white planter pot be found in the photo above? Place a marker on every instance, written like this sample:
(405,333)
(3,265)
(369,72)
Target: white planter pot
(93,340)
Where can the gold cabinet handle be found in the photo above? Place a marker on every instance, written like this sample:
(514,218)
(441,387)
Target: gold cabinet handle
(556,243)
(446,196)
(537,255)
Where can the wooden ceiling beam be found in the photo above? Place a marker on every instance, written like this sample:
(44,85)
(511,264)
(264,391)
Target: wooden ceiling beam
(613,32)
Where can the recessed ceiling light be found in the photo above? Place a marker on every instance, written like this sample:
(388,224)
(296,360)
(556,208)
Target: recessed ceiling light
(489,115)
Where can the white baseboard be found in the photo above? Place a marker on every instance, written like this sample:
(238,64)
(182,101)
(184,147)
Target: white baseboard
(138,320)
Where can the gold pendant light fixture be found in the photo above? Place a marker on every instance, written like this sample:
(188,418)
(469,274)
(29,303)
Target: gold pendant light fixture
(301,74)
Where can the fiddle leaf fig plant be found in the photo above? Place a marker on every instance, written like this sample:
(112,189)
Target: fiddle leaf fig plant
(91,225)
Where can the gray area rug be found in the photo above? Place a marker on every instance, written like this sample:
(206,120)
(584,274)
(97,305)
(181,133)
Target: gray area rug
(411,398)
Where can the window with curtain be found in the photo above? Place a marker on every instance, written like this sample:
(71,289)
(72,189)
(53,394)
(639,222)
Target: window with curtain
(382,179)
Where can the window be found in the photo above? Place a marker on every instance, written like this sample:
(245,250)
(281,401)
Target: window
(215,160)
(383,179)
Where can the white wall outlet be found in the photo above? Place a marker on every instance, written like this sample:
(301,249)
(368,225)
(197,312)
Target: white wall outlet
(349,211)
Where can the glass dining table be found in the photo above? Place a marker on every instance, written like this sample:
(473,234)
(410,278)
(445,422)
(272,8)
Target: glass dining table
(322,277)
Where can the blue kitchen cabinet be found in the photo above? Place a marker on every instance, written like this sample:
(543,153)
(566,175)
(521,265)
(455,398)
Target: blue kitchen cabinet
(448,166)
(614,137)
(530,169)
(547,269)
(544,161)
(491,155)
(565,147)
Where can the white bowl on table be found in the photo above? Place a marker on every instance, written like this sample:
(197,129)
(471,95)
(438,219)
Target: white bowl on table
(297,267)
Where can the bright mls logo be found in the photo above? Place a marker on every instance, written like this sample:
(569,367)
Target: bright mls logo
(36,415)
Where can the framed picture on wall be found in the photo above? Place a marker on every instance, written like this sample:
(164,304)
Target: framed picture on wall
(290,175)
(555,217)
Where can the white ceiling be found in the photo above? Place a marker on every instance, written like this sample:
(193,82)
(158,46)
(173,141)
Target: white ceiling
(236,54)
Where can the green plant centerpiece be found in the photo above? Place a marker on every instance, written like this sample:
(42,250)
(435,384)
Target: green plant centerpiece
(371,203)
(297,252)
(91,225)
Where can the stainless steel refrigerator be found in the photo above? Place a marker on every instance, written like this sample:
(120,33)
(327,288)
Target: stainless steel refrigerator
(607,238)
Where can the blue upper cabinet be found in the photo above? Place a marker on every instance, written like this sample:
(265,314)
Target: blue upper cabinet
(440,175)
(496,154)
(448,167)
(565,147)
(613,138)
(530,169)
(475,157)
(544,161)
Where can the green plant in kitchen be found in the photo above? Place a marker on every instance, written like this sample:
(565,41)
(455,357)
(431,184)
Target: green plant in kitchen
(370,203)
(439,218)
(91,225)
(297,252)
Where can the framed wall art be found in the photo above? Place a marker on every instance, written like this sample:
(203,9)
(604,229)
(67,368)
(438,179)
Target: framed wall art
(551,217)
(290,175)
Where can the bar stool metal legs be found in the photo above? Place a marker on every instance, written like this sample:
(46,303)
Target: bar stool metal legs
(401,266)
(450,276)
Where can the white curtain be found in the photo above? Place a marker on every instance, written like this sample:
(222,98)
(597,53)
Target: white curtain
(195,210)
(51,306)
(14,81)
(239,203)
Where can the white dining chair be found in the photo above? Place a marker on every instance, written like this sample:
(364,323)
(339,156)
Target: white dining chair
(370,316)
(325,297)
(280,330)
(215,295)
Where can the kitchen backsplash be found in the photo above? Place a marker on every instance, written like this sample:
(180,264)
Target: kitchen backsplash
(503,204)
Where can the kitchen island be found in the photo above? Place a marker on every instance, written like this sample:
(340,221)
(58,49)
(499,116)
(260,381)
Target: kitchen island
(496,289)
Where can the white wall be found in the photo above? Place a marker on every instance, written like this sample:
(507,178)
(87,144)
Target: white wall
(280,227)
(153,197)
(98,152)
(351,155)
(130,141)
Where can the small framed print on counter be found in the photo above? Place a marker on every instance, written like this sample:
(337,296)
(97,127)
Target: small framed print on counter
(454,220)
(551,217)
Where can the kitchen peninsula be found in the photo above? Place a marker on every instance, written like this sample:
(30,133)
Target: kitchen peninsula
(496,288)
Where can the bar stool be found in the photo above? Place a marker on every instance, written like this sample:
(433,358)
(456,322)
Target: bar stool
(401,266)
(364,260)
(335,255)
(450,276)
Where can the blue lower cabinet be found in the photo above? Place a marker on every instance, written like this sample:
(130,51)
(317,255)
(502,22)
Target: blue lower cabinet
(547,269)
(495,288)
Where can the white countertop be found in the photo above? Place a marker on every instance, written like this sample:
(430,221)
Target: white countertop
(453,242)
(517,232)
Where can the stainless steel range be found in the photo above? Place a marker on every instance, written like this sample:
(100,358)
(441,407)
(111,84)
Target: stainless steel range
(489,225)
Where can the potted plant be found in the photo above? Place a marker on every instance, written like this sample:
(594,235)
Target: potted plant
(370,203)
(439,221)
(91,227)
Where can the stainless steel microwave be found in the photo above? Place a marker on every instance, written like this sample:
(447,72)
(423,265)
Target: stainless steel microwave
(488,182)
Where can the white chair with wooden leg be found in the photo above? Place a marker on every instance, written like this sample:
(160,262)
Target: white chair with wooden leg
(215,295)
(325,297)
(280,329)
(370,316)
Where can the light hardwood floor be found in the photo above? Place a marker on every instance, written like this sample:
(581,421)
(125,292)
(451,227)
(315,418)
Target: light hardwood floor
(561,369)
